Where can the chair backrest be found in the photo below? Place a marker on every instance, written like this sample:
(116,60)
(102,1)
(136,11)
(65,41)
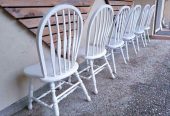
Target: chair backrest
(143,18)
(67,31)
(98,30)
(132,19)
(118,27)
(150,15)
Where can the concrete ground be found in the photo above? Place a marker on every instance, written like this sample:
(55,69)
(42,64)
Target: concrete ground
(141,88)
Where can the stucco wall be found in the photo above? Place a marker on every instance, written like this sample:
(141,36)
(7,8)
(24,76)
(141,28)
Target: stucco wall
(143,2)
(167,11)
(18,50)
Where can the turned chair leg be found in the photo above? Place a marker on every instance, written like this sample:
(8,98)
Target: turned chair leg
(127,51)
(69,79)
(93,77)
(113,59)
(121,49)
(83,86)
(142,40)
(109,67)
(60,86)
(54,99)
(137,42)
(148,35)
(87,63)
(144,34)
(134,47)
(30,94)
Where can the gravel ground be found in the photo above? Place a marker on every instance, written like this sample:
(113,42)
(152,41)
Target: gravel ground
(141,88)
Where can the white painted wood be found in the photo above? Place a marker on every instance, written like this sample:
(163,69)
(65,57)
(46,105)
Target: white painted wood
(109,67)
(30,94)
(129,35)
(67,92)
(121,50)
(150,16)
(54,99)
(137,41)
(63,54)
(134,47)
(93,77)
(83,86)
(159,14)
(127,50)
(48,92)
(117,33)
(149,19)
(97,37)
(41,103)
(140,28)
(96,71)
(113,60)
(141,35)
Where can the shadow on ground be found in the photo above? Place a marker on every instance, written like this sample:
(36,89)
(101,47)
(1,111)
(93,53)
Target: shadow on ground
(142,88)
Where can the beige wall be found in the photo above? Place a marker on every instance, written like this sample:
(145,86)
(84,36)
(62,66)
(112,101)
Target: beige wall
(167,11)
(18,50)
(143,2)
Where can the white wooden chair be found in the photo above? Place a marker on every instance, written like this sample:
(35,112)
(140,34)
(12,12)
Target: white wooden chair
(98,31)
(63,54)
(149,19)
(117,33)
(129,35)
(140,28)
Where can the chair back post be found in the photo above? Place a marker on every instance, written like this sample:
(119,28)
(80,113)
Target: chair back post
(119,25)
(150,15)
(64,24)
(132,20)
(98,30)
(143,17)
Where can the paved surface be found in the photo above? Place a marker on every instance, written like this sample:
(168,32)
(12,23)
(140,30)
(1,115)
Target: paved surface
(142,88)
